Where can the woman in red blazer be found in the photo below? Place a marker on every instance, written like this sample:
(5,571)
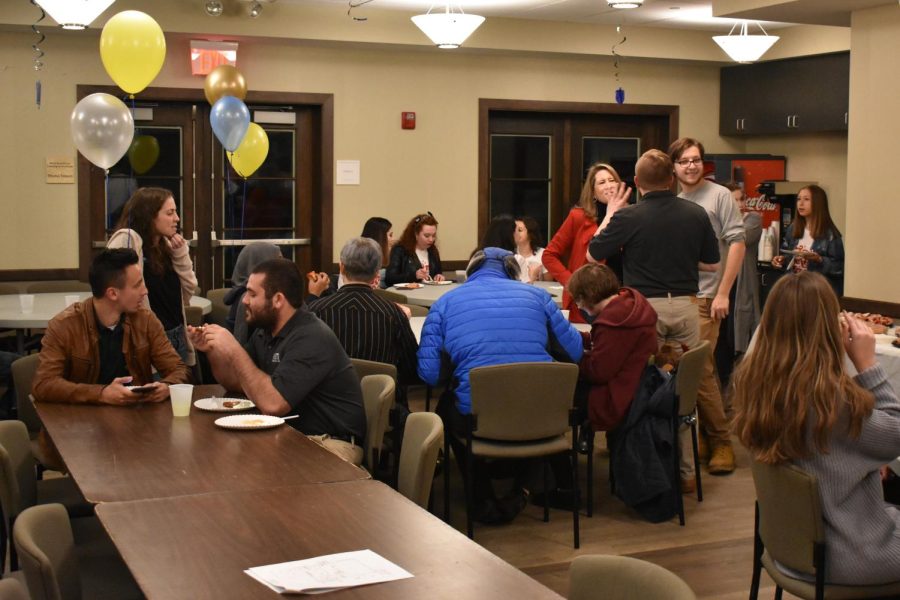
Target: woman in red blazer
(567,251)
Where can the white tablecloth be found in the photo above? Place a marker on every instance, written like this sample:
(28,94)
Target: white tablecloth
(428,294)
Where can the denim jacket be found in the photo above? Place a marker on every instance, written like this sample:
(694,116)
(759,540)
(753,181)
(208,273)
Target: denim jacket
(831,249)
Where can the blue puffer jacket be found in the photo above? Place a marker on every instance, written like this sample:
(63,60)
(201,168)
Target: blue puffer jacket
(492,320)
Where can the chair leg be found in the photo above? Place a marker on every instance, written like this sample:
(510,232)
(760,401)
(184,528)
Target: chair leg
(546,473)
(447,477)
(778,592)
(590,477)
(4,539)
(757,557)
(696,449)
(679,501)
(576,500)
(468,483)
(427,398)
(13,555)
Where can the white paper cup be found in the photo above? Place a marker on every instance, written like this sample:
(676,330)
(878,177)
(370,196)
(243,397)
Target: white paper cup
(72,299)
(27,303)
(565,314)
(181,394)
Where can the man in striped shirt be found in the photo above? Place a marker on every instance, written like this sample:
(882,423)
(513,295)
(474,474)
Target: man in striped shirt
(368,326)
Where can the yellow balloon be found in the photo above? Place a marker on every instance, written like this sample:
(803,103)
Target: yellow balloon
(133,50)
(252,152)
(143,154)
(224,80)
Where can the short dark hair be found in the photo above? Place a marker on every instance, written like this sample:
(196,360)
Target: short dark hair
(654,170)
(281,275)
(678,147)
(593,283)
(108,269)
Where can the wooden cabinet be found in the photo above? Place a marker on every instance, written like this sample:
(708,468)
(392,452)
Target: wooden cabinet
(797,95)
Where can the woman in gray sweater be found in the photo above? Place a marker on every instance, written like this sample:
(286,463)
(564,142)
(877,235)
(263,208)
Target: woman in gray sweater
(795,402)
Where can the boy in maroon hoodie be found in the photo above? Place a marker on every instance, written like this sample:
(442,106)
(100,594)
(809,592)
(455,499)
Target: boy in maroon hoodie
(621,341)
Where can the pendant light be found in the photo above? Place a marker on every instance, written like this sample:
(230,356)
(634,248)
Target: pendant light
(744,48)
(447,29)
(74,14)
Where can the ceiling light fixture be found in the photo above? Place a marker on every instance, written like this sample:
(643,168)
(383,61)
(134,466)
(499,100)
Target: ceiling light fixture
(624,3)
(255,10)
(214,8)
(447,29)
(74,14)
(744,48)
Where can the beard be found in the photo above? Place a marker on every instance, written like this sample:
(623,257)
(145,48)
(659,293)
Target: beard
(264,318)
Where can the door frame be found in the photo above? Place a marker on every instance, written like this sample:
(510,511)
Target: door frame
(487,105)
(321,168)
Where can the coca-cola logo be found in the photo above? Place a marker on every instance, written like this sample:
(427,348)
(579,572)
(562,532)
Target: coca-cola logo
(759,203)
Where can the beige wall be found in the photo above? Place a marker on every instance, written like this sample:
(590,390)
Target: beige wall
(873,212)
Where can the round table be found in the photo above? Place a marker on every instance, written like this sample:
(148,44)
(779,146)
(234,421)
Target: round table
(429,294)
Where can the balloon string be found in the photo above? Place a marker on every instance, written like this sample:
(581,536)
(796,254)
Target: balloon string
(228,183)
(38,53)
(243,208)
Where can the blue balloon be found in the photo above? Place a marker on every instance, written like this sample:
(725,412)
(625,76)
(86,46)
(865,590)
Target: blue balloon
(230,120)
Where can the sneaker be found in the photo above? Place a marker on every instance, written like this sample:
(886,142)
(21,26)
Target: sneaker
(688,486)
(722,460)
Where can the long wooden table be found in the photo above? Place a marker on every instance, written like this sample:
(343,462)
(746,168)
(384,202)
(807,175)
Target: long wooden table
(429,294)
(197,547)
(142,451)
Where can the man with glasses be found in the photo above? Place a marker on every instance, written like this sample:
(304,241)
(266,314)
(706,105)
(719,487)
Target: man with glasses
(715,287)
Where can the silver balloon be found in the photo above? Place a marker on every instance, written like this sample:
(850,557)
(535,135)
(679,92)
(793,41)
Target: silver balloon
(102,129)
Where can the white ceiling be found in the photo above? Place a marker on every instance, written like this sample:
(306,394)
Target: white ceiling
(678,14)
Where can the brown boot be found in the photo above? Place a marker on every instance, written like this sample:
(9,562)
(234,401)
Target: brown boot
(702,447)
(722,460)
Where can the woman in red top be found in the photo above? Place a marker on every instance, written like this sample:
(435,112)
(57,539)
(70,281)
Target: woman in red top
(570,243)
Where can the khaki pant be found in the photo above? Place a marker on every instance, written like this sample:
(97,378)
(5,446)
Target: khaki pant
(677,320)
(345,450)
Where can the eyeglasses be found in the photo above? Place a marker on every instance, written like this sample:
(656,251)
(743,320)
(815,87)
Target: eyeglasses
(420,217)
(686,162)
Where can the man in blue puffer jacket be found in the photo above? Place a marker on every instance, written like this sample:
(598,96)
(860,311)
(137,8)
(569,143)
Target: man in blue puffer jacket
(491,319)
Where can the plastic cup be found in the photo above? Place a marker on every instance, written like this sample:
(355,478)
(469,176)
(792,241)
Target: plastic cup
(181,394)
(72,299)
(27,303)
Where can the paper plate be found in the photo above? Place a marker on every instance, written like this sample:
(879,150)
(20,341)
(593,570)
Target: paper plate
(218,404)
(249,422)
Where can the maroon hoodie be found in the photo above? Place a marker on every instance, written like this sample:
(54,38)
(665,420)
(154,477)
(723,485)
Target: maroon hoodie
(622,340)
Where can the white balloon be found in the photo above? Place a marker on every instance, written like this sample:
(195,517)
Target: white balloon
(102,129)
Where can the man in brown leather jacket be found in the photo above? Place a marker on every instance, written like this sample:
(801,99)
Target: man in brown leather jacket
(96,351)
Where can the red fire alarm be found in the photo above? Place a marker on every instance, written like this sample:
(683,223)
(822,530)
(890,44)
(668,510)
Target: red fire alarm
(408,120)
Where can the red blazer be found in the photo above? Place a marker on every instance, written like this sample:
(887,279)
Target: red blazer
(571,243)
(622,340)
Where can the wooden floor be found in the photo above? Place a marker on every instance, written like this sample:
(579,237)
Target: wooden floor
(712,552)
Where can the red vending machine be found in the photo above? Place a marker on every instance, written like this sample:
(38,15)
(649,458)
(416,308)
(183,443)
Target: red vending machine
(748,171)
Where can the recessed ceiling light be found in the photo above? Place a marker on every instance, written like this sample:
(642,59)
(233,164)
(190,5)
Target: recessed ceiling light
(624,3)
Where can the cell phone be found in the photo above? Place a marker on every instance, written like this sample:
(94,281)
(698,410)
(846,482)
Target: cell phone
(142,389)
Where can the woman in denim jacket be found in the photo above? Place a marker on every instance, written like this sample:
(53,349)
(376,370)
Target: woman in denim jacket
(812,242)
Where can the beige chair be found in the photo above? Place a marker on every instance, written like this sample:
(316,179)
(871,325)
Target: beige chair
(378,396)
(519,410)
(219,313)
(57,567)
(417,311)
(193,315)
(422,439)
(790,529)
(23,371)
(687,382)
(49,287)
(391,296)
(11,589)
(593,577)
(20,489)
(370,367)
(8,289)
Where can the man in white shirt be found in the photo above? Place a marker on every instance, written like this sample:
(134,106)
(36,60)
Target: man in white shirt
(715,287)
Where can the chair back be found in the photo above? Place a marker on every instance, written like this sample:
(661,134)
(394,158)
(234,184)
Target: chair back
(18,482)
(790,514)
(370,367)
(219,313)
(378,396)
(23,370)
(423,436)
(43,538)
(8,289)
(11,589)
(687,377)
(522,401)
(47,287)
(391,296)
(193,315)
(593,577)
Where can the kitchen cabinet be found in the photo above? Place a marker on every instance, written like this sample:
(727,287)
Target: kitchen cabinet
(797,95)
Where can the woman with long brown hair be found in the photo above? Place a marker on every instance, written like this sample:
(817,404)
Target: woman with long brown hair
(415,257)
(814,240)
(567,251)
(796,403)
(149,226)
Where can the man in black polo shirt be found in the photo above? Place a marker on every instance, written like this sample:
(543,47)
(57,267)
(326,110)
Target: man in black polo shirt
(292,364)
(665,242)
